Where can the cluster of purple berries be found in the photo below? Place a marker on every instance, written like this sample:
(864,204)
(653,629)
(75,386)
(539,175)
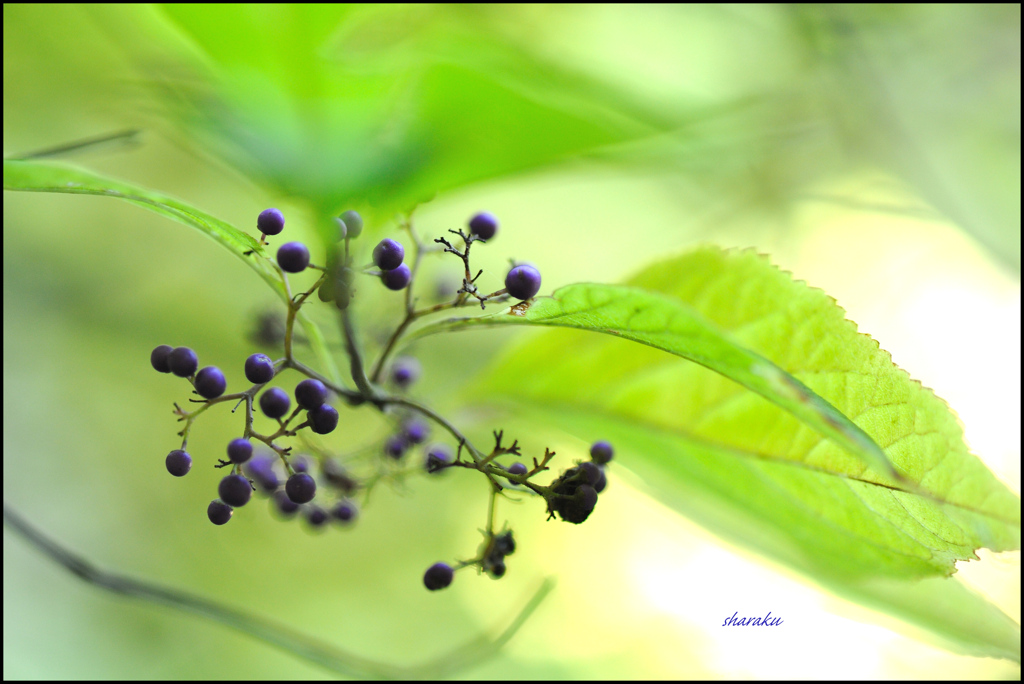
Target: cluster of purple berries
(300,489)
(292,257)
(235,489)
(388,256)
(522,281)
(209,382)
(286,479)
(575,496)
(577,488)
(413,432)
(501,545)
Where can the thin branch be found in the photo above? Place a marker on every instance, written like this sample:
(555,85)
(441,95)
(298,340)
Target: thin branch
(127,137)
(356,358)
(275,634)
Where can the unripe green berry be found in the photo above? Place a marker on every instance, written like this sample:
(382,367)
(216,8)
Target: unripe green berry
(353,223)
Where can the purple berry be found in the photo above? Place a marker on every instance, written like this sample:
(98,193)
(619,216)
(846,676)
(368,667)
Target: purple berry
(586,497)
(259,369)
(438,457)
(395,446)
(239,450)
(293,257)
(504,544)
(523,282)
(438,576)
(159,358)
(517,469)
(300,488)
(397,279)
(270,222)
(310,394)
(261,470)
(601,483)
(235,490)
(388,254)
(445,287)
(269,329)
(405,371)
(580,505)
(483,225)
(323,419)
(219,512)
(345,511)
(337,476)
(275,402)
(284,505)
(592,471)
(183,362)
(601,452)
(316,516)
(178,463)
(416,431)
(300,463)
(210,382)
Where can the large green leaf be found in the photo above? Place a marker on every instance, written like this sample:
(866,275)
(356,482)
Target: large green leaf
(383,105)
(667,324)
(751,470)
(36,176)
(379,107)
(692,478)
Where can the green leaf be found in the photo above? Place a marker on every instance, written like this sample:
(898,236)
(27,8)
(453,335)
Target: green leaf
(36,176)
(666,323)
(373,106)
(746,505)
(753,471)
(955,616)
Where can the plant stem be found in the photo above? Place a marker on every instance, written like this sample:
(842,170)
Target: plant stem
(356,359)
(437,418)
(275,634)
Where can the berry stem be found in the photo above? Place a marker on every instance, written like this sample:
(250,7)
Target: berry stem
(417,257)
(305,295)
(311,649)
(289,323)
(478,457)
(411,314)
(293,309)
(490,511)
(190,416)
(355,358)
(429,413)
(248,416)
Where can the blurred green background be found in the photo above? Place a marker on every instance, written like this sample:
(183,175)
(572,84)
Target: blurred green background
(874,152)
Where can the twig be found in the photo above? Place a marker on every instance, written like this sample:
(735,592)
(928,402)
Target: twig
(275,634)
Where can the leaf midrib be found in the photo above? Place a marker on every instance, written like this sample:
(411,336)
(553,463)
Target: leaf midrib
(808,510)
(601,412)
